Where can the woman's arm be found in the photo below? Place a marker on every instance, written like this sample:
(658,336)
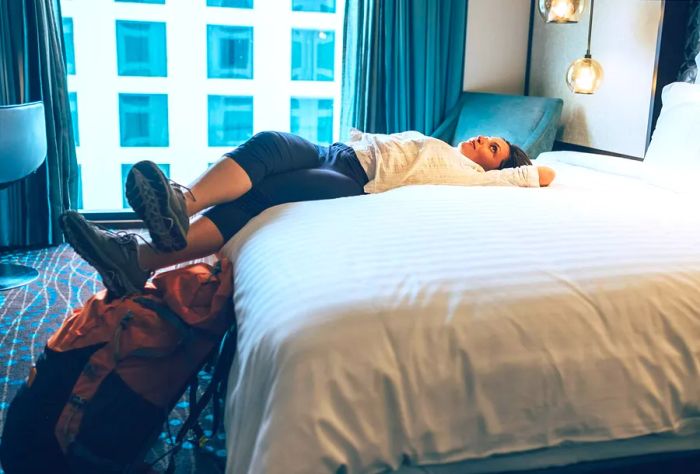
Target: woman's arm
(546,175)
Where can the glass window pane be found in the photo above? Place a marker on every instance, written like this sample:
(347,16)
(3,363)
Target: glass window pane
(141,49)
(230,3)
(325,6)
(161,2)
(146,74)
(312,119)
(230,120)
(312,55)
(73,100)
(229,52)
(126,167)
(143,120)
(79,203)
(68,40)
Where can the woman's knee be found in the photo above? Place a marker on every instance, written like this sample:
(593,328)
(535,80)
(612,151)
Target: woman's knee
(261,140)
(266,136)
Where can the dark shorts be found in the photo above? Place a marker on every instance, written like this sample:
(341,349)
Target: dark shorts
(287,168)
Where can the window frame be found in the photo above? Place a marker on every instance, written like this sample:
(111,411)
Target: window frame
(216,34)
(211,99)
(157,59)
(122,119)
(310,58)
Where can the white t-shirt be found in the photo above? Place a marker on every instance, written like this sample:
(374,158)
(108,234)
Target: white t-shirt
(407,158)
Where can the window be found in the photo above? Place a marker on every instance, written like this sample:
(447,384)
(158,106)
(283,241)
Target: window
(212,72)
(325,6)
(312,119)
(73,100)
(79,199)
(161,2)
(230,52)
(141,49)
(313,55)
(230,120)
(126,167)
(143,120)
(68,40)
(230,3)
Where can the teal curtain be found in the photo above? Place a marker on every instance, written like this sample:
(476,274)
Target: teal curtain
(32,67)
(403,63)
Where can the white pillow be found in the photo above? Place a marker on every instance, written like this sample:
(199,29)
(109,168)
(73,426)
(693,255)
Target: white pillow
(676,140)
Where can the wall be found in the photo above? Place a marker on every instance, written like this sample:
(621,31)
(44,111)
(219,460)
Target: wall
(624,41)
(496,49)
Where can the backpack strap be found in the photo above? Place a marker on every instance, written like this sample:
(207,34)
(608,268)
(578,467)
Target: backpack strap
(97,368)
(227,353)
(102,363)
(167,314)
(214,390)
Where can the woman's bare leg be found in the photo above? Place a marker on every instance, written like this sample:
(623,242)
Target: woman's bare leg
(203,239)
(223,182)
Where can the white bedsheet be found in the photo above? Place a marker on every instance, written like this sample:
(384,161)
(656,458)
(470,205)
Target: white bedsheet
(433,324)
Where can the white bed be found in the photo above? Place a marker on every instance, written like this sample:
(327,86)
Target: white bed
(502,328)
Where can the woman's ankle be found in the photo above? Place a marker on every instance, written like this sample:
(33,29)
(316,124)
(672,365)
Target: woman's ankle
(145,257)
(191,204)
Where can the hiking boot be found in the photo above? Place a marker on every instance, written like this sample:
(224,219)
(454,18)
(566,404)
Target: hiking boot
(113,254)
(160,204)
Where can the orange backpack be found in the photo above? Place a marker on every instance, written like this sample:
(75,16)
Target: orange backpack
(99,394)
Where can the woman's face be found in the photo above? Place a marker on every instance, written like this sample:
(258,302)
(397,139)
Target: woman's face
(487,152)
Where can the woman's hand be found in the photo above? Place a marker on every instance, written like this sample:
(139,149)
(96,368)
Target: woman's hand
(546,175)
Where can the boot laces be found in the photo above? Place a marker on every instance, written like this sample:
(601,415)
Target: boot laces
(182,188)
(123,237)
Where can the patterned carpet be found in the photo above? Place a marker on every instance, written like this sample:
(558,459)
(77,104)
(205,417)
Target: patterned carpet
(30,314)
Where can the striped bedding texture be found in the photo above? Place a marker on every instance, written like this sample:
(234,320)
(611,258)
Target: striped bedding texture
(437,324)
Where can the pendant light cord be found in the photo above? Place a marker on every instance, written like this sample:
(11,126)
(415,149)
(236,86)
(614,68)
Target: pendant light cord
(590,27)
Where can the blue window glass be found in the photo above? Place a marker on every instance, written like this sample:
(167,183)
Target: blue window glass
(143,120)
(312,119)
(312,55)
(126,167)
(141,49)
(68,40)
(73,100)
(79,201)
(161,2)
(325,6)
(230,3)
(229,52)
(230,120)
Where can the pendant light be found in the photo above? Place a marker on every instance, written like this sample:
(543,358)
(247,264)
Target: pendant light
(585,74)
(561,11)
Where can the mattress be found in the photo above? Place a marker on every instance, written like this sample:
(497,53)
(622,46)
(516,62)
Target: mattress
(430,325)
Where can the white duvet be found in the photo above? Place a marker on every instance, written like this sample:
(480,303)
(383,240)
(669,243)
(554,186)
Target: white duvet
(433,324)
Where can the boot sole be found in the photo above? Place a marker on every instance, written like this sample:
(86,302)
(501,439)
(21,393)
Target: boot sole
(147,193)
(76,229)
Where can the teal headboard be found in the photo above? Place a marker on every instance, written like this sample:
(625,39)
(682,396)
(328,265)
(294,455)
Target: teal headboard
(529,122)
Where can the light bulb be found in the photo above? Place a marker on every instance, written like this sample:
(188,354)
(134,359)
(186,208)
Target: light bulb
(561,11)
(584,75)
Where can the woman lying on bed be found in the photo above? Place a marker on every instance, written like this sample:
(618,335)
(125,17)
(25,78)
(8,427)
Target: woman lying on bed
(274,168)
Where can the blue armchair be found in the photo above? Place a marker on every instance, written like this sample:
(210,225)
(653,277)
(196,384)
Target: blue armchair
(22,151)
(529,122)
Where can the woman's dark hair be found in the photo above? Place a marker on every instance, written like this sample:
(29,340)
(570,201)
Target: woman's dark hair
(517,157)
